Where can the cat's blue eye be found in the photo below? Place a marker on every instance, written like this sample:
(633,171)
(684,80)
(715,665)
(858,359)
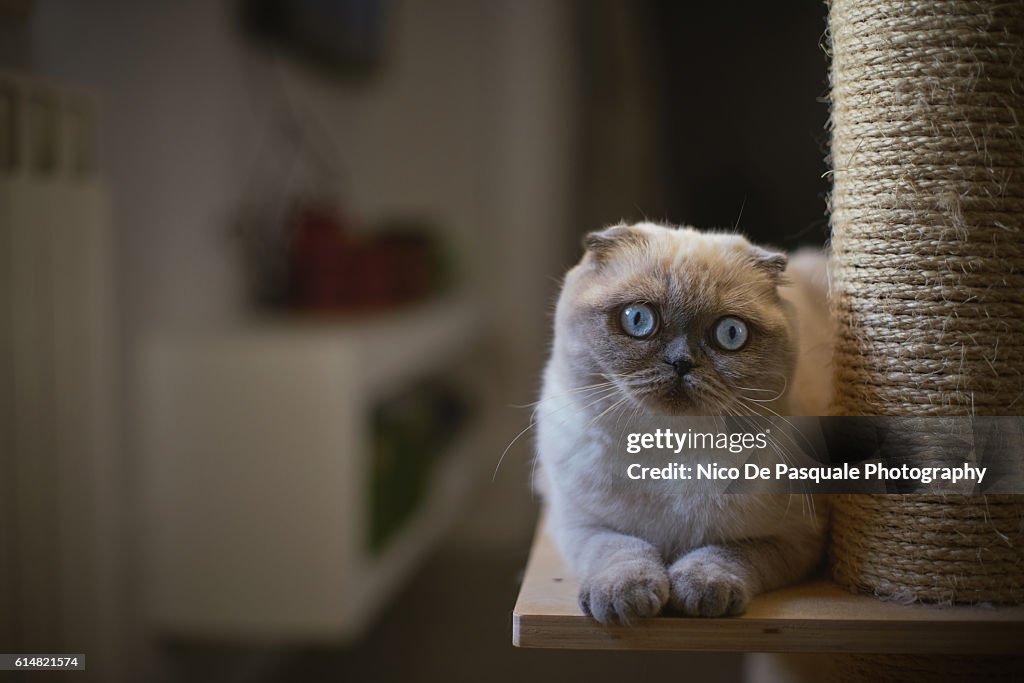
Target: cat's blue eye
(731,333)
(639,320)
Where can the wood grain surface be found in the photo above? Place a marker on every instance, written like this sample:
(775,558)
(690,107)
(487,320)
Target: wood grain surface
(816,616)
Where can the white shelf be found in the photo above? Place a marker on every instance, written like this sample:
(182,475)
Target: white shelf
(256,466)
(390,344)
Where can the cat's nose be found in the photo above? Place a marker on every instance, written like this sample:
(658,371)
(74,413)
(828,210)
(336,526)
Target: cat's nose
(682,366)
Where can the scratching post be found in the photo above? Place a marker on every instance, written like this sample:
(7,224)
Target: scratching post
(939,549)
(928,274)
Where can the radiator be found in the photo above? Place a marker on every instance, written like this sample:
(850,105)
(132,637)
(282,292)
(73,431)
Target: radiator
(56,452)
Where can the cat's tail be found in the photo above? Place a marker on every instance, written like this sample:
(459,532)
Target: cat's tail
(808,269)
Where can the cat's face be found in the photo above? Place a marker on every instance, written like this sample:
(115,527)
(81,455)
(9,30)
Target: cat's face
(683,322)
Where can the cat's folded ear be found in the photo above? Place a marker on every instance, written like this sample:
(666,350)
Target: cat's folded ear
(772,262)
(600,244)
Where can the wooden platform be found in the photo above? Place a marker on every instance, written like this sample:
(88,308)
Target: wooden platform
(814,617)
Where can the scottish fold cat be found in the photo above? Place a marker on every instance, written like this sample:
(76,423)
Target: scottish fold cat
(657,321)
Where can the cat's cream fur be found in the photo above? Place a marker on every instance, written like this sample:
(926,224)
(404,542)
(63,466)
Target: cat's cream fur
(637,547)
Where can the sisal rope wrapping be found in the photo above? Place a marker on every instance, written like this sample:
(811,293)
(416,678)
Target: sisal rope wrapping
(927,274)
(940,549)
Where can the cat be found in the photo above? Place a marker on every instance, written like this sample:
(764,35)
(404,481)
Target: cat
(677,322)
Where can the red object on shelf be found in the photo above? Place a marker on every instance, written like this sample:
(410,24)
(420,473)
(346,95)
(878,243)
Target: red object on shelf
(320,258)
(333,269)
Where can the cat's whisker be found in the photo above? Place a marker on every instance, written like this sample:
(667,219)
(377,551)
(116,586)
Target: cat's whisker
(621,411)
(807,505)
(636,405)
(783,453)
(577,390)
(787,421)
(572,399)
(810,505)
(726,405)
(773,399)
(604,391)
(774,441)
(808,508)
(605,395)
(508,447)
(607,410)
(778,394)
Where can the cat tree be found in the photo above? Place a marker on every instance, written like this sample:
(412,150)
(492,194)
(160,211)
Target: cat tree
(928,283)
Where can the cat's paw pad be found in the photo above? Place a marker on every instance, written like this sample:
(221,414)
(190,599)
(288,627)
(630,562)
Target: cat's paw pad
(625,593)
(707,587)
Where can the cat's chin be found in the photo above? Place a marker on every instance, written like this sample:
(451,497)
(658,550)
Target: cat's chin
(674,404)
(677,399)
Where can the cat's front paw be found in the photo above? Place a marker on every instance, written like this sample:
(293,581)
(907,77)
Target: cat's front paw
(625,592)
(704,585)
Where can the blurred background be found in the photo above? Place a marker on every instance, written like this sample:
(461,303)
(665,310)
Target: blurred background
(275,276)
